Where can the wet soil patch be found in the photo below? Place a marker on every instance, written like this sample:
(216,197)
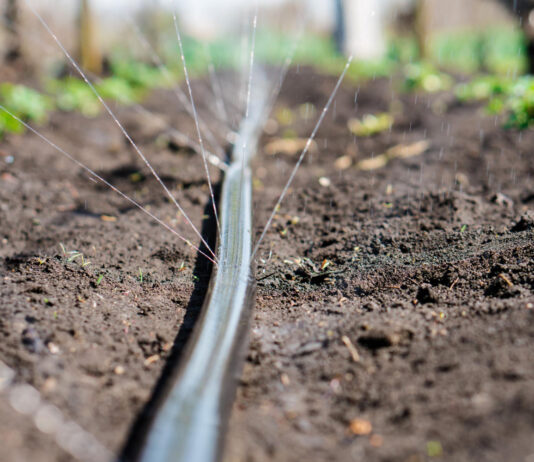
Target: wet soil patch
(394,318)
(94,292)
(395,309)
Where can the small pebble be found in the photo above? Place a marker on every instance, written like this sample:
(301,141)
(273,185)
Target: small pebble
(53,348)
(119,370)
(343,162)
(325,182)
(361,427)
(284,378)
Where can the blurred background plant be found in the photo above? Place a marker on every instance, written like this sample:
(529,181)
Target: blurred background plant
(430,44)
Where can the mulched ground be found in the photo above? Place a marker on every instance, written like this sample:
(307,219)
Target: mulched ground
(395,309)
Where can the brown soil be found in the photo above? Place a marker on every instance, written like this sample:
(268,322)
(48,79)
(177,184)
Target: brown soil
(421,326)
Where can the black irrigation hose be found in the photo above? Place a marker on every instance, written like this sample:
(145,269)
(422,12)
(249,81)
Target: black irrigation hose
(189,424)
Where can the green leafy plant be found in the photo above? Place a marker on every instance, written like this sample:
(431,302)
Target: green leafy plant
(128,84)
(23,102)
(138,75)
(483,87)
(74,95)
(371,124)
(503,95)
(424,76)
(499,50)
(520,104)
(120,90)
(9,125)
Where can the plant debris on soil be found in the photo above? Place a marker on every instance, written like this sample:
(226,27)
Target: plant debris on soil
(394,318)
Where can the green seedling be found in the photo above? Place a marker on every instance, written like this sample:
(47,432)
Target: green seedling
(73,255)
(434,449)
(285,116)
(423,76)
(312,273)
(23,102)
(140,276)
(482,88)
(136,177)
(520,103)
(128,84)
(138,75)
(84,262)
(289,134)
(120,90)
(9,125)
(99,279)
(499,50)
(371,124)
(74,95)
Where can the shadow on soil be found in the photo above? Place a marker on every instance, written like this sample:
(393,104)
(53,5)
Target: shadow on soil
(203,268)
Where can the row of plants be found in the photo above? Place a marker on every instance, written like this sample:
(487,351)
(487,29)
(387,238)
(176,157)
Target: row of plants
(503,95)
(129,81)
(507,97)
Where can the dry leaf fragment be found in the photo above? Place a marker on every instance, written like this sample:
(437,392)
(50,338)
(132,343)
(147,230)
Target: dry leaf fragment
(373,163)
(289,147)
(352,349)
(343,163)
(151,359)
(404,151)
(505,279)
(371,124)
(400,151)
(284,378)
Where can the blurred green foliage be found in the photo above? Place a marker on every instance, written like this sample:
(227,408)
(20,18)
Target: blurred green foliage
(514,98)
(320,52)
(520,103)
(138,75)
(371,124)
(24,103)
(72,94)
(129,82)
(498,50)
(424,76)
(483,87)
